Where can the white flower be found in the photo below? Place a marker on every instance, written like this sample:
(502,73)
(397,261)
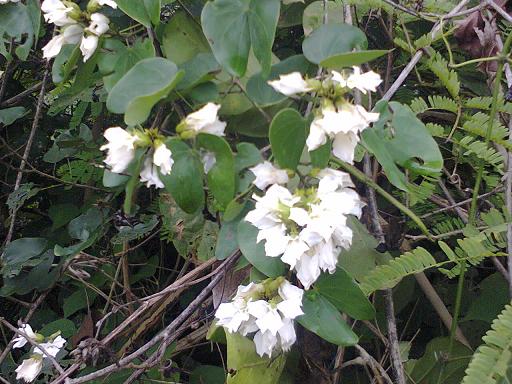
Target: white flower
(29,369)
(290,84)
(343,124)
(120,147)
(208,159)
(70,35)
(20,341)
(110,3)
(234,316)
(270,317)
(7,1)
(266,174)
(149,174)
(88,46)
(206,120)
(56,12)
(368,81)
(267,217)
(162,158)
(51,348)
(99,24)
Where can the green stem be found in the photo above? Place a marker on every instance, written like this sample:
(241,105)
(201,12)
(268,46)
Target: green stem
(478,181)
(368,181)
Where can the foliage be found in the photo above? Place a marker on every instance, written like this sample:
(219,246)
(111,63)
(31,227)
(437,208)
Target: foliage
(131,266)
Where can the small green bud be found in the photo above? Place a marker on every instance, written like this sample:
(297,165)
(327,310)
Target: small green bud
(188,135)
(39,338)
(93,6)
(181,127)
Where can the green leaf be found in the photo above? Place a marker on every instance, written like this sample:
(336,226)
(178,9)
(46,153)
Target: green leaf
(433,368)
(287,137)
(332,39)
(492,298)
(320,156)
(207,374)
(263,94)
(349,59)
(61,214)
(133,170)
(66,327)
(245,366)
(255,252)
(247,155)
(323,319)
(111,179)
(342,291)
(409,144)
(200,69)
(313,16)
(16,23)
(143,11)
(227,238)
(10,115)
(117,59)
(21,253)
(185,182)
(245,23)
(221,178)
(183,39)
(146,83)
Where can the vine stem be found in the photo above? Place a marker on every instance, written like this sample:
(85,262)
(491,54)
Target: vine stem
(26,153)
(369,182)
(478,181)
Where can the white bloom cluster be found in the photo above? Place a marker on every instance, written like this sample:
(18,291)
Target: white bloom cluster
(268,309)
(30,368)
(204,120)
(307,229)
(66,14)
(337,118)
(121,152)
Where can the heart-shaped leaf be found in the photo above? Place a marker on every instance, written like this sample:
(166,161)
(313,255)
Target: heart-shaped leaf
(221,177)
(287,137)
(185,182)
(322,318)
(244,23)
(332,39)
(146,83)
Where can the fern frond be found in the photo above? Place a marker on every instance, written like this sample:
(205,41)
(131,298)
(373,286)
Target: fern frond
(435,130)
(418,260)
(478,123)
(491,361)
(419,105)
(479,103)
(388,275)
(448,78)
(483,151)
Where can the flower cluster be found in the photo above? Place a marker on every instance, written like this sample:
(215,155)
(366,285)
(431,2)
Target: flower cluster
(122,145)
(75,25)
(336,118)
(30,368)
(307,229)
(266,309)
(121,148)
